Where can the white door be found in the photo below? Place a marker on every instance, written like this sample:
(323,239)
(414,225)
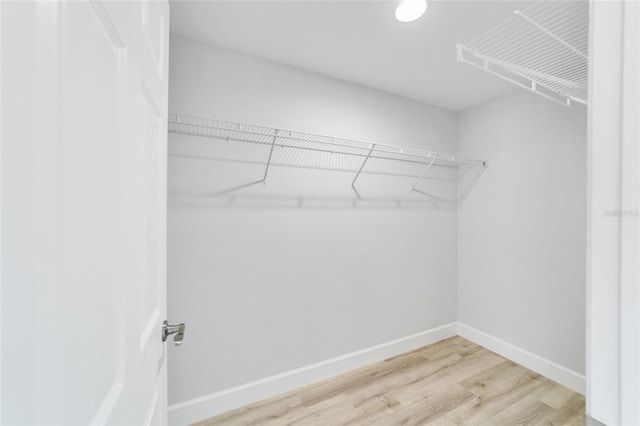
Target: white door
(83,204)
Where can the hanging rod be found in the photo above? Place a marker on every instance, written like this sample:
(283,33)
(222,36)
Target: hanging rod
(238,132)
(543,49)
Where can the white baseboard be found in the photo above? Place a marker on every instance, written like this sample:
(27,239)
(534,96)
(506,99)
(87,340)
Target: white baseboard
(196,409)
(213,404)
(553,371)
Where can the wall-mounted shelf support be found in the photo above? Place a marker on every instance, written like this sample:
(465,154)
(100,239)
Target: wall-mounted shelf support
(353,184)
(422,175)
(475,179)
(273,143)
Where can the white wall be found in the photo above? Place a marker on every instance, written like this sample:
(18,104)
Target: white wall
(264,291)
(521,232)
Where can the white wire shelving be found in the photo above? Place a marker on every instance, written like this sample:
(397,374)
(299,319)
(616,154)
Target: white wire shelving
(216,159)
(543,48)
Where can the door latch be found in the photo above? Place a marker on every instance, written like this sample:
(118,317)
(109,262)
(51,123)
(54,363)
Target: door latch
(178,330)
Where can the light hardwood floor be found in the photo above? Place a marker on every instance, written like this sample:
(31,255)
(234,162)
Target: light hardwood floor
(452,382)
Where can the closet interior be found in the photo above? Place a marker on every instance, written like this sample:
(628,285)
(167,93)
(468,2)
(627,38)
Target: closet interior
(344,188)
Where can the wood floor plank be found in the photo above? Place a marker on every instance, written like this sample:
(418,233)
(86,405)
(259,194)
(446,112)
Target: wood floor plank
(428,409)
(444,377)
(479,382)
(439,349)
(528,411)
(452,382)
(362,377)
(478,410)
(262,412)
(565,416)
(559,396)
(308,414)
(403,380)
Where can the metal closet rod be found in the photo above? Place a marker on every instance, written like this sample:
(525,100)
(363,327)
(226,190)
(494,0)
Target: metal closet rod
(282,134)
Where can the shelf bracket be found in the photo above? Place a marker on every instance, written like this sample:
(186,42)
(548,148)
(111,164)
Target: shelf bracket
(353,184)
(256,182)
(273,143)
(413,188)
(472,184)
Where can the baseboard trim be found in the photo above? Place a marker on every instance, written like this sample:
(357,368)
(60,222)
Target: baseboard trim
(193,410)
(197,409)
(553,371)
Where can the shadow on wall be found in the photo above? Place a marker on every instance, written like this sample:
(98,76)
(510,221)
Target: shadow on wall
(221,172)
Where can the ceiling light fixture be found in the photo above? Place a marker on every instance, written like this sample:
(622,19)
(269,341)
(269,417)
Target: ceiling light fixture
(410,10)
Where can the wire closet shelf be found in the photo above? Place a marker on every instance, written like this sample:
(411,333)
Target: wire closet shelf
(543,48)
(213,159)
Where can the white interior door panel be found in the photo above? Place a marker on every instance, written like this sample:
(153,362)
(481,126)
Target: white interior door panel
(83,160)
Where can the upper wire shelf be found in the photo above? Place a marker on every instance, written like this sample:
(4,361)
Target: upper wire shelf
(543,48)
(220,159)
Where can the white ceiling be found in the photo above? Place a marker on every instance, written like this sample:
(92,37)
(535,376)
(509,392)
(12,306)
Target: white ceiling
(358,41)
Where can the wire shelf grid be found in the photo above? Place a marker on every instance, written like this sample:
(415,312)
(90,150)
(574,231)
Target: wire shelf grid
(543,48)
(213,159)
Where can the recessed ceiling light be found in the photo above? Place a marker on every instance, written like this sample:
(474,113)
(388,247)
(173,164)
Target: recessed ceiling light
(410,10)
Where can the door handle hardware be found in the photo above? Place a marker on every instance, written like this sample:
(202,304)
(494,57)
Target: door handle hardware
(178,330)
